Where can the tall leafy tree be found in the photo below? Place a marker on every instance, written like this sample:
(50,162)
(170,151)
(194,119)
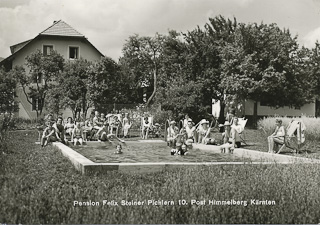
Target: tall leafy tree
(107,85)
(264,63)
(42,71)
(7,92)
(141,56)
(71,90)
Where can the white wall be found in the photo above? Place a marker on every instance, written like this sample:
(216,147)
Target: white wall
(307,109)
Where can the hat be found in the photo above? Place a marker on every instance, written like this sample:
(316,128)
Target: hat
(173,122)
(203,121)
(227,123)
(189,120)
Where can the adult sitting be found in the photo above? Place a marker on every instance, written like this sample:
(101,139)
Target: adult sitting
(230,115)
(186,120)
(202,130)
(103,135)
(96,122)
(190,130)
(172,133)
(277,137)
(49,134)
(205,135)
(69,126)
(236,130)
(60,129)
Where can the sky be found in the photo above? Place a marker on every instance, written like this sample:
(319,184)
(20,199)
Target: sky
(108,23)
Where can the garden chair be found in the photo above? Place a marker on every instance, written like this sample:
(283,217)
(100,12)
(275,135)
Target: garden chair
(115,126)
(294,137)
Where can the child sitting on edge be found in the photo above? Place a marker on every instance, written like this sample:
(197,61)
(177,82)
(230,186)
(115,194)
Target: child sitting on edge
(226,136)
(77,134)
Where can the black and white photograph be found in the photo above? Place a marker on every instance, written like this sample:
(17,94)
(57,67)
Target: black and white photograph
(159,112)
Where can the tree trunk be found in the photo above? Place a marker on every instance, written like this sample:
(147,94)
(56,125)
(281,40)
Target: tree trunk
(255,114)
(154,87)
(221,118)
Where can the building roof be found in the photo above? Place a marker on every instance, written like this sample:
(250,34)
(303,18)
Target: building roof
(61,28)
(17,47)
(58,28)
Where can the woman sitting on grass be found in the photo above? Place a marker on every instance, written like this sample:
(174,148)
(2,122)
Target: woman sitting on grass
(49,135)
(277,137)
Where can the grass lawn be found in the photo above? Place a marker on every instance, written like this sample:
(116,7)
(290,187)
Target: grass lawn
(257,140)
(39,185)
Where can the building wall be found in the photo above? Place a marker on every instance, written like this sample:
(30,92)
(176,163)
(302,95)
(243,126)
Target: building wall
(307,109)
(61,45)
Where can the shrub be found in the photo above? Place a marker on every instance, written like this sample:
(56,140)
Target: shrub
(162,116)
(22,123)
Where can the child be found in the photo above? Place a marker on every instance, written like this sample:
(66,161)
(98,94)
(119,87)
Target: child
(146,126)
(126,125)
(226,136)
(119,150)
(77,134)
(184,150)
(157,130)
(49,135)
(172,131)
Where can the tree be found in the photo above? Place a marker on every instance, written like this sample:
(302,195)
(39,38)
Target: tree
(71,89)
(43,70)
(7,92)
(141,55)
(106,84)
(204,62)
(264,63)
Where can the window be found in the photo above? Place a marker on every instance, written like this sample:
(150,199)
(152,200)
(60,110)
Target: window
(73,52)
(47,49)
(36,104)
